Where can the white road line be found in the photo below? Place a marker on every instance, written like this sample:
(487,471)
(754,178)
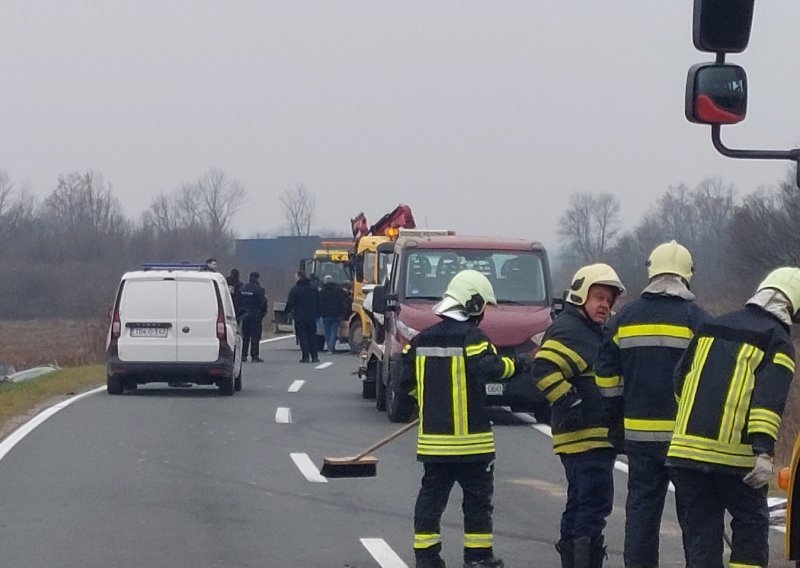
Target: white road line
(283,415)
(383,553)
(276,338)
(296,386)
(18,434)
(307,468)
(324,365)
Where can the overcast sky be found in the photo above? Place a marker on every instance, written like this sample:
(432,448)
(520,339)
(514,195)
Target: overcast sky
(483,116)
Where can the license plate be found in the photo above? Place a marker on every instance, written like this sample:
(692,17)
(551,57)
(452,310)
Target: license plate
(148,332)
(495,389)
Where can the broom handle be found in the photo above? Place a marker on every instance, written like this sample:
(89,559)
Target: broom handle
(386,439)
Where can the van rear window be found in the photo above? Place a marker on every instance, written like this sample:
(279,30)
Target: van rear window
(152,300)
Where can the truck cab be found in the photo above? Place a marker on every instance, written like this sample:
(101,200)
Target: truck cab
(421,268)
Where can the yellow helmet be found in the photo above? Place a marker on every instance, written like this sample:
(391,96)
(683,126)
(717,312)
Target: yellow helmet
(587,277)
(469,290)
(670,258)
(786,280)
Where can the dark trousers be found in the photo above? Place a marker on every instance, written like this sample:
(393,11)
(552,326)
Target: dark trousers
(306,332)
(648,480)
(702,499)
(477,483)
(590,492)
(251,337)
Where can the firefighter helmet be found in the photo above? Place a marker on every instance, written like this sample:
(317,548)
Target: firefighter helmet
(587,277)
(470,291)
(670,258)
(786,280)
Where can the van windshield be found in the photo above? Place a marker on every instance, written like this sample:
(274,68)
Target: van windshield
(517,276)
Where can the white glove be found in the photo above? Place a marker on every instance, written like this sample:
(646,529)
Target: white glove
(761,474)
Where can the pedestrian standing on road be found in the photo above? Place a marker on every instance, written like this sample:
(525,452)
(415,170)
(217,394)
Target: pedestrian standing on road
(563,370)
(641,346)
(253,301)
(331,304)
(235,287)
(732,384)
(445,369)
(303,303)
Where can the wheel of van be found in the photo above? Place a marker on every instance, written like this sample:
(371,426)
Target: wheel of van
(356,338)
(380,388)
(226,385)
(368,382)
(114,384)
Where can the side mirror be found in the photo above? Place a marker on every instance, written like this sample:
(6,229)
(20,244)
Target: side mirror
(722,26)
(382,301)
(716,93)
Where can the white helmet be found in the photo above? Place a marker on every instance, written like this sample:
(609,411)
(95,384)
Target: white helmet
(587,277)
(469,291)
(670,258)
(786,280)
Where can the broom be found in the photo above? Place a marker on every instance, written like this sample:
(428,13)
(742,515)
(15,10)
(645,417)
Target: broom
(362,464)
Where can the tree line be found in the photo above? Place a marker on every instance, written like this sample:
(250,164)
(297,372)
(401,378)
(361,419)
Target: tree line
(734,241)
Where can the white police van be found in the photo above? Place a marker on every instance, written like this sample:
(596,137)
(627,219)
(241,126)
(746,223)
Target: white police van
(173,323)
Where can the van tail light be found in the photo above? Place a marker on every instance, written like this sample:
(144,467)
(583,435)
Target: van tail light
(222,330)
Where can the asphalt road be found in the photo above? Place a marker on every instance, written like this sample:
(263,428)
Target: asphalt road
(167,477)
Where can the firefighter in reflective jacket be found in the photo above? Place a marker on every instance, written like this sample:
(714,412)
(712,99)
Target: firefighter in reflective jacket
(732,384)
(641,346)
(445,368)
(563,371)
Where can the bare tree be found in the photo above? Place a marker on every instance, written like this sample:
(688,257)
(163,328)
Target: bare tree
(588,227)
(220,198)
(298,206)
(17,208)
(84,203)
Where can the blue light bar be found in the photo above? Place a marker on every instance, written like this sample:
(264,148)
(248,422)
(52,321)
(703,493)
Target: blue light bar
(173,266)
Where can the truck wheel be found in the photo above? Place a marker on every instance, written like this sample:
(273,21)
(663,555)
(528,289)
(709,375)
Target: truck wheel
(380,388)
(356,338)
(114,384)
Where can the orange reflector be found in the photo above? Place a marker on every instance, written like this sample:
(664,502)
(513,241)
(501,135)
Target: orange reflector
(783,478)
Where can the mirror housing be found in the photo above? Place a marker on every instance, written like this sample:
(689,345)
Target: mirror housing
(722,26)
(716,93)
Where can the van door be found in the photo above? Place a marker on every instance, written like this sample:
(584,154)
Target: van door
(197,320)
(148,321)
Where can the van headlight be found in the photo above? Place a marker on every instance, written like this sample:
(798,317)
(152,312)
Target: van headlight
(406,332)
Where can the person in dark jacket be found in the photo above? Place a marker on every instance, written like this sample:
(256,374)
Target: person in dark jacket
(331,305)
(303,303)
(563,370)
(253,304)
(235,287)
(731,385)
(445,368)
(641,346)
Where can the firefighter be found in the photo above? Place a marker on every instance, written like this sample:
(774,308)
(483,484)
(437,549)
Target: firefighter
(641,346)
(732,384)
(445,368)
(563,371)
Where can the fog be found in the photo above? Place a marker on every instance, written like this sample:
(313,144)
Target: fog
(482,116)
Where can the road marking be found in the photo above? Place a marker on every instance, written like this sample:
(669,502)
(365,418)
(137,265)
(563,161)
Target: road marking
(324,365)
(383,553)
(307,468)
(276,339)
(283,415)
(17,435)
(296,386)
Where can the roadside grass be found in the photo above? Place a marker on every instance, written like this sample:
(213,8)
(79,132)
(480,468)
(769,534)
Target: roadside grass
(21,401)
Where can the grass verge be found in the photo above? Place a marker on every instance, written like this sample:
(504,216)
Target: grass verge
(21,401)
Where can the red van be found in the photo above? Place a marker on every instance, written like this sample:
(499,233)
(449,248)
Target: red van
(421,268)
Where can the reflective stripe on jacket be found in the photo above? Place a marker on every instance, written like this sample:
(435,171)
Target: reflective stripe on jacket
(566,360)
(641,346)
(446,368)
(731,387)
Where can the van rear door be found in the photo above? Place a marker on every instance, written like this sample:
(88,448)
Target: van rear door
(148,321)
(197,320)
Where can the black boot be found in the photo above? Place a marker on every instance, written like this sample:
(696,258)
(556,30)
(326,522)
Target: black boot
(566,548)
(598,552)
(582,552)
(428,561)
(490,562)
